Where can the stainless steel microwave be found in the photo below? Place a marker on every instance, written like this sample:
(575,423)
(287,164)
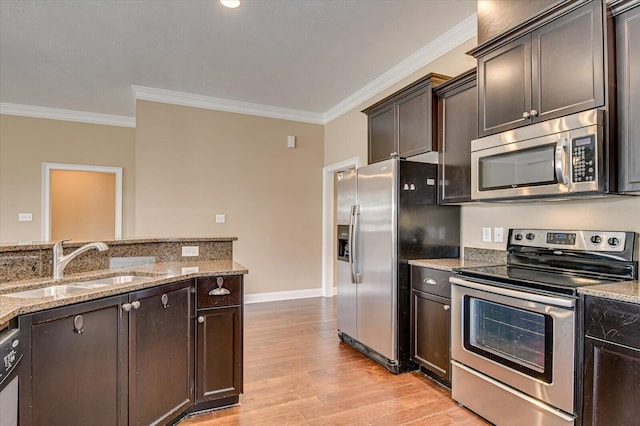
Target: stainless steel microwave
(557,158)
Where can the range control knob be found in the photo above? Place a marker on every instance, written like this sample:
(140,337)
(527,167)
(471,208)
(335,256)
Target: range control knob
(596,239)
(531,236)
(613,241)
(518,237)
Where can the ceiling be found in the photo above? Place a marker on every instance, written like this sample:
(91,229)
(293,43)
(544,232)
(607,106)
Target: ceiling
(304,55)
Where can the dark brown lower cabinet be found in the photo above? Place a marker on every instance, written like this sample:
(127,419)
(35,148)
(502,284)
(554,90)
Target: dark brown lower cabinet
(116,361)
(611,363)
(78,365)
(219,358)
(160,354)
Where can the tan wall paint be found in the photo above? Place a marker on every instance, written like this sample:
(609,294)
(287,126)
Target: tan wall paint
(194,163)
(82,205)
(25,143)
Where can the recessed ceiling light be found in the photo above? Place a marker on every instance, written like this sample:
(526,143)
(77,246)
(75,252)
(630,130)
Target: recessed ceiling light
(232,4)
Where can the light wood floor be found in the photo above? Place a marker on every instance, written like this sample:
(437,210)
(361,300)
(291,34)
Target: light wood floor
(297,372)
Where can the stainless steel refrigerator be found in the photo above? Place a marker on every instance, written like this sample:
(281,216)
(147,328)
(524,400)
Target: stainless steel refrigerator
(387,214)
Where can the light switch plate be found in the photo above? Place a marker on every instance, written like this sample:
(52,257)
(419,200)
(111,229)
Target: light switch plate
(486,234)
(220,218)
(498,234)
(189,251)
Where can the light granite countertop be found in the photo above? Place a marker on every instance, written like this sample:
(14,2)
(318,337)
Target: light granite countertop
(155,273)
(626,291)
(448,264)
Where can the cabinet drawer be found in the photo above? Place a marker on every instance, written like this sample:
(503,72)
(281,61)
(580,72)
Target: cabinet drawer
(205,286)
(432,281)
(613,321)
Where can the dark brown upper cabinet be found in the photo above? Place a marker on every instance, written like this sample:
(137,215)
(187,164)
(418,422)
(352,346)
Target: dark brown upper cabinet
(627,24)
(554,69)
(403,124)
(457,127)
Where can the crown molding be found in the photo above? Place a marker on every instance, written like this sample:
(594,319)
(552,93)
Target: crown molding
(446,42)
(66,115)
(220,104)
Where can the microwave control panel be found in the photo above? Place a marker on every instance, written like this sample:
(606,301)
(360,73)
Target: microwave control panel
(583,158)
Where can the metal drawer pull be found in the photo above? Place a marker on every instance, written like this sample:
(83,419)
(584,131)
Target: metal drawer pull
(526,114)
(165,301)
(534,113)
(430,281)
(200,319)
(78,322)
(126,307)
(446,307)
(220,291)
(135,304)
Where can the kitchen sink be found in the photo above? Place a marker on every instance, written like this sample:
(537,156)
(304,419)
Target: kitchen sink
(71,289)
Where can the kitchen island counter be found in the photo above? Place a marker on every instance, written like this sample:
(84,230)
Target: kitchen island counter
(154,274)
(626,291)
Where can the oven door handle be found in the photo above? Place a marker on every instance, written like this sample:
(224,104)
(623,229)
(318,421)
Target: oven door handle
(532,297)
(560,161)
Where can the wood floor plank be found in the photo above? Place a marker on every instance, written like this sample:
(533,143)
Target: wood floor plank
(297,372)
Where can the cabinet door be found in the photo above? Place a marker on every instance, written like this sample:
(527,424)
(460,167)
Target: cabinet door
(78,365)
(219,353)
(160,353)
(431,326)
(382,140)
(628,66)
(568,68)
(415,122)
(504,87)
(458,126)
(611,384)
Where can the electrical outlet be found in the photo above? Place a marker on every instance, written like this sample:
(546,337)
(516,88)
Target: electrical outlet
(498,234)
(25,217)
(486,234)
(189,251)
(221,218)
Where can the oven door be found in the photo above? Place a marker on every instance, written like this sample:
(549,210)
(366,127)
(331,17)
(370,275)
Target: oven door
(522,339)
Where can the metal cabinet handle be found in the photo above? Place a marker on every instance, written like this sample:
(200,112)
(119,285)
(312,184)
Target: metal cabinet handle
(220,291)
(135,304)
(534,113)
(165,300)
(78,322)
(430,281)
(200,319)
(526,115)
(126,307)
(446,307)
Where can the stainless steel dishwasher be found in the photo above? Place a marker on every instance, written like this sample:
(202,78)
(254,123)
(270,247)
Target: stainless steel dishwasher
(10,357)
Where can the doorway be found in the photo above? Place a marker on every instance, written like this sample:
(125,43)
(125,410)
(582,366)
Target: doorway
(81,202)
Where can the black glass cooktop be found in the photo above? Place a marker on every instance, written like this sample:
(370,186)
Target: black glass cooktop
(554,281)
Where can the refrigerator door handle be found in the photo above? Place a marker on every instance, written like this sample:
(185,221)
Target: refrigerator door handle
(353,245)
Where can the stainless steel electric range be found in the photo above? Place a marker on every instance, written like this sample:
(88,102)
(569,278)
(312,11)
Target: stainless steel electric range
(514,327)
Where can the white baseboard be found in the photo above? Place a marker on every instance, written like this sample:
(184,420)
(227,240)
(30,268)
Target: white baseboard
(282,295)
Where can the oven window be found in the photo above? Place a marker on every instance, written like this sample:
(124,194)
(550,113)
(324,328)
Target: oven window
(527,167)
(514,337)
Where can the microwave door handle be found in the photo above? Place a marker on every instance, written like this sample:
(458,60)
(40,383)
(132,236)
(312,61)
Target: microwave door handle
(560,161)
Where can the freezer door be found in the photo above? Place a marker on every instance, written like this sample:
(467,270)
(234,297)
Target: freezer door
(347,303)
(376,259)
(345,187)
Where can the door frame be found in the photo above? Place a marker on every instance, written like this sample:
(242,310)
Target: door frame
(328,223)
(46,193)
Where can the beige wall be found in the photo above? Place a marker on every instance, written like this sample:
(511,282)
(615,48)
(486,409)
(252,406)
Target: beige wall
(25,143)
(194,163)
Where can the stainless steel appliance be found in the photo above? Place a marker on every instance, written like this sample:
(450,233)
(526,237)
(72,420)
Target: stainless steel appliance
(515,327)
(393,217)
(567,156)
(10,356)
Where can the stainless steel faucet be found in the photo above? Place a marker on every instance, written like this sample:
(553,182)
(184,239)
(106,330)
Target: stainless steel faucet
(60,260)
